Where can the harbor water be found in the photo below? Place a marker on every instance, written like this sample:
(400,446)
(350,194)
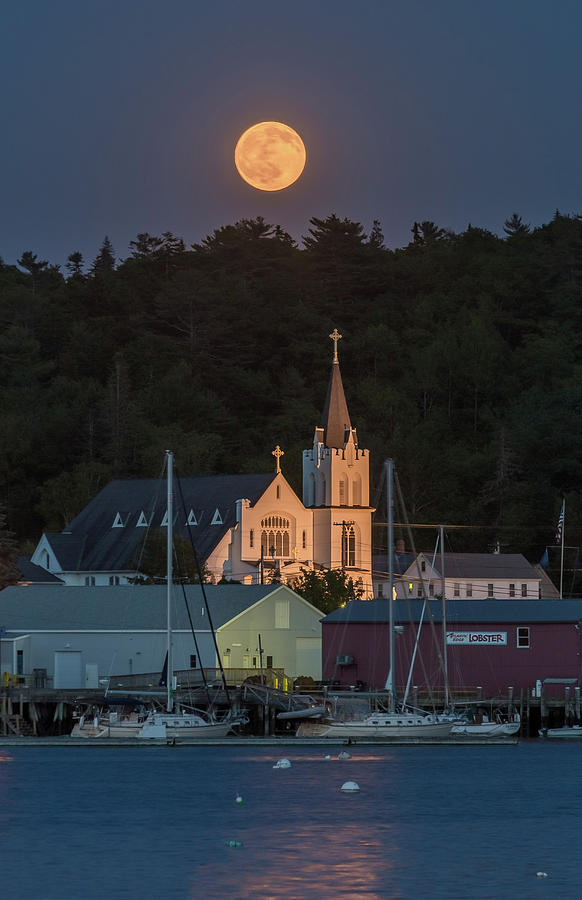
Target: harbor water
(78,823)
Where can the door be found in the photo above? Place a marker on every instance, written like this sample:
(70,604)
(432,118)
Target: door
(91,675)
(68,672)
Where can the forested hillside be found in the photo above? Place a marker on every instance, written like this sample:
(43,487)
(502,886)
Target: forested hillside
(461,359)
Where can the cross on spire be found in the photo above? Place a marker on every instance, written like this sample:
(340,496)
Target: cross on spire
(278,453)
(335,336)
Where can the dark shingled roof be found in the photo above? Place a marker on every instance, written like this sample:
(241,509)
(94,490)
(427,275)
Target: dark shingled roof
(485,565)
(336,418)
(129,607)
(90,543)
(459,611)
(36,574)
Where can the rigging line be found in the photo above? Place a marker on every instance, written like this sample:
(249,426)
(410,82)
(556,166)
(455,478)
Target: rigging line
(430,615)
(202,588)
(194,638)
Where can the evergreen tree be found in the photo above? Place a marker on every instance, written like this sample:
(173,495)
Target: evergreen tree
(9,573)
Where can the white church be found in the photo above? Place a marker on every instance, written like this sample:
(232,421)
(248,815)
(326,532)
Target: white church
(245,528)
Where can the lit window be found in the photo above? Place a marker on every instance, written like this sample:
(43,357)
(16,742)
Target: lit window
(410,587)
(523,636)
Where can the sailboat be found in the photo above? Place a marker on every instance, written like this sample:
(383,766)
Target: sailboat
(392,723)
(168,724)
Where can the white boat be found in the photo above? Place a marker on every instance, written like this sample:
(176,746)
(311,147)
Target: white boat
(173,726)
(381,725)
(567,732)
(486,728)
(122,723)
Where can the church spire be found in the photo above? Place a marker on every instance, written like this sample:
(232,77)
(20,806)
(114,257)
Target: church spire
(336,418)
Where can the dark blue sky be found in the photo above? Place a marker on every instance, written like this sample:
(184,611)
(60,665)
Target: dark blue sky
(121,117)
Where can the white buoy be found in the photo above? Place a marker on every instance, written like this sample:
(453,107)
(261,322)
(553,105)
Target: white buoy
(344,755)
(328,756)
(238,799)
(542,874)
(282,764)
(350,787)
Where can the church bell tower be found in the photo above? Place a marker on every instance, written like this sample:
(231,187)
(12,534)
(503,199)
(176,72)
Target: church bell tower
(336,486)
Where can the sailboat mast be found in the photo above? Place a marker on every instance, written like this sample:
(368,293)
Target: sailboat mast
(169,556)
(444,618)
(390,681)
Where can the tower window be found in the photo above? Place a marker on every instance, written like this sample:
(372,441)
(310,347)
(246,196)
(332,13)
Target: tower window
(304,540)
(348,546)
(252,538)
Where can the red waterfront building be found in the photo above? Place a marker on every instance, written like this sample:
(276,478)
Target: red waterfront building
(490,644)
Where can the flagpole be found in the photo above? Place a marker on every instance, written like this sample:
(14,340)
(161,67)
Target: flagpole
(563,518)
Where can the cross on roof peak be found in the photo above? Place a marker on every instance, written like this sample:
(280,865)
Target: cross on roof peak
(278,453)
(335,336)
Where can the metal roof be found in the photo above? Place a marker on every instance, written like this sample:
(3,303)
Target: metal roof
(36,574)
(465,612)
(125,607)
(482,565)
(91,544)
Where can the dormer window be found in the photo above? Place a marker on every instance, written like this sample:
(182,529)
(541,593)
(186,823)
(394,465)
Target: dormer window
(142,522)
(192,520)
(118,521)
(217,518)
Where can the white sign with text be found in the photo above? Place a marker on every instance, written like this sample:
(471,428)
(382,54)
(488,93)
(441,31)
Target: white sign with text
(478,638)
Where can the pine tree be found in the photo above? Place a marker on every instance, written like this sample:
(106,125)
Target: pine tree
(9,573)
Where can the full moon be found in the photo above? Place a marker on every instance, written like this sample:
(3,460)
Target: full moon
(270,156)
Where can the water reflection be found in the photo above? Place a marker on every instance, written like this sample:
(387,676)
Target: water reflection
(313,861)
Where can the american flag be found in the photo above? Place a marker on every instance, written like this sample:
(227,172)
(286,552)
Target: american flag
(560,525)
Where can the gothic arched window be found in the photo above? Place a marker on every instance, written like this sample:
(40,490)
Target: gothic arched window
(348,546)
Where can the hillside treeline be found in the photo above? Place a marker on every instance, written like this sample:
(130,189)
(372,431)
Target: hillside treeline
(461,359)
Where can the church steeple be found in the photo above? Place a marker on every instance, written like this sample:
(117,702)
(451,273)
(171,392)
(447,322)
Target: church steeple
(336,418)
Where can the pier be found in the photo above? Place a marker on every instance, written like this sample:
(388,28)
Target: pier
(42,714)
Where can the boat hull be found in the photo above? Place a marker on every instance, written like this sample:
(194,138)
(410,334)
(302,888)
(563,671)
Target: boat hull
(487,729)
(356,730)
(565,733)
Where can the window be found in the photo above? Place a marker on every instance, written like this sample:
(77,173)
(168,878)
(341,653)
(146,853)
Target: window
(192,660)
(489,590)
(216,518)
(46,560)
(380,590)
(348,546)
(523,636)
(524,590)
(90,580)
(342,492)
(282,614)
(419,591)
(278,492)
(269,662)
(512,590)
(275,536)
(423,566)
(20,662)
(252,538)
(304,540)
(114,579)
(456,590)
(431,590)
(469,590)
(410,587)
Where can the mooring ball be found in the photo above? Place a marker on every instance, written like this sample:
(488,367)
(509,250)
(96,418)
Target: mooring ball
(350,787)
(542,874)
(238,799)
(282,764)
